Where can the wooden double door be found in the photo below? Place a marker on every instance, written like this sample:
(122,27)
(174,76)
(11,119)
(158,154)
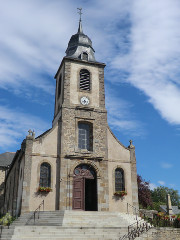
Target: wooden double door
(85,188)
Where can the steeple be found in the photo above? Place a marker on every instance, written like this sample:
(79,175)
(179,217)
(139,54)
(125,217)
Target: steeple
(80,30)
(80,45)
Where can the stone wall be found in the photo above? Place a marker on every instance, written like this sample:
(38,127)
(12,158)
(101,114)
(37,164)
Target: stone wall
(118,157)
(44,149)
(161,234)
(12,185)
(73,113)
(2,176)
(70,154)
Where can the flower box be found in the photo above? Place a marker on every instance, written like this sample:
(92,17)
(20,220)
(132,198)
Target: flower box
(120,193)
(44,189)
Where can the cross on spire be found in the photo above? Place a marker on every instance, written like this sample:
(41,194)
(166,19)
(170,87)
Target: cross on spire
(80,12)
(80,31)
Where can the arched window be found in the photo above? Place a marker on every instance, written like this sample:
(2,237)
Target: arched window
(84,82)
(85,136)
(45,175)
(119,180)
(84,56)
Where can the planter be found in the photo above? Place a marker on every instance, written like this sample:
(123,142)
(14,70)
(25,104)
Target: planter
(120,193)
(44,189)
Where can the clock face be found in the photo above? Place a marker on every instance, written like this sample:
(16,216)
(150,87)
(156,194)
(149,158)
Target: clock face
(84,101)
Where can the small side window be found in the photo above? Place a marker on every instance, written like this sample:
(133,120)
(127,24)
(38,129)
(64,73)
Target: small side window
(45,175)
(119,180)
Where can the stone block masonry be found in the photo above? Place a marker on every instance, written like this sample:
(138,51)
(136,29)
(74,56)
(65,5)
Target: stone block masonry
(161,234)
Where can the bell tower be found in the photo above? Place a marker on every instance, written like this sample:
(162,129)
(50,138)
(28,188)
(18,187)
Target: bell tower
(82,121)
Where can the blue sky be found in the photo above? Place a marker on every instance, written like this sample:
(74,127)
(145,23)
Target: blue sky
(138,40)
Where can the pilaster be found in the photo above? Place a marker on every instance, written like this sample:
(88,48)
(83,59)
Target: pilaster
(28,144)
(134,176)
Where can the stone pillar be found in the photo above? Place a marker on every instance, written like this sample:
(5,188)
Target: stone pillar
(169,205)
(28,144)
(134,176)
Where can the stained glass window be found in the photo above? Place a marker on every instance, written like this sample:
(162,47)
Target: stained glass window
(45,175)
(119,180)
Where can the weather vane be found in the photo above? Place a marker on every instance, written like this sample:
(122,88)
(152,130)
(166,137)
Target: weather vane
(80,12)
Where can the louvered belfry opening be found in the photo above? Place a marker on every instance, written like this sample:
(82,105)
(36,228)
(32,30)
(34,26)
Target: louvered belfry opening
(84,80)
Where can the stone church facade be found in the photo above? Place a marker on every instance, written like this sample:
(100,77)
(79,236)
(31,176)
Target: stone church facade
(79,159)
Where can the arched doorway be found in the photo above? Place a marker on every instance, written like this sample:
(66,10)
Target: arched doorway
(85,188)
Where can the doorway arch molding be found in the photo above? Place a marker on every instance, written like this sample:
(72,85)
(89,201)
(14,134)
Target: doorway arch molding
(91,163)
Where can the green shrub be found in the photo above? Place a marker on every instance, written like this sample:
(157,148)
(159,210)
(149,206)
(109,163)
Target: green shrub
(6,219)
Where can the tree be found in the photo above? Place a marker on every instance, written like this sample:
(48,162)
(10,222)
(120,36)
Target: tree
(159,194)
(144,192)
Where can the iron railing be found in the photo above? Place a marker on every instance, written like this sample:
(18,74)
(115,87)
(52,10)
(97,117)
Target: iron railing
(158,221)
(36,213)
(136,211)
(1,229)
(136,229)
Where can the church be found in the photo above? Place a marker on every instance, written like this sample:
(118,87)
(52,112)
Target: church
(78,164)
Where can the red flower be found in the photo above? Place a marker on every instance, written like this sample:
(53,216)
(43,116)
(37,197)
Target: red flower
(44,189)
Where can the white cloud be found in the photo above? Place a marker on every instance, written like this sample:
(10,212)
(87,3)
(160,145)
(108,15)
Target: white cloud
(152,186)
(161,182)
(154,55)
(31,42)
(139,40)
(166,165)
(120,116)
(14,126)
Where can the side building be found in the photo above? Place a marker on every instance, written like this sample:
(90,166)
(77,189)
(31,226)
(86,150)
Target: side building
(78,164)
(5,162)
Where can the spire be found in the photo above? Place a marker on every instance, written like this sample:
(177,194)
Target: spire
(80,30)
(80,45)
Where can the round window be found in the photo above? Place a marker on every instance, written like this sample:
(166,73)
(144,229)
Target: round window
(77,171)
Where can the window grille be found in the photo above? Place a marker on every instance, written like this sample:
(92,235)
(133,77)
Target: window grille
(84,80)
(45,175)
(119,180)
(85,136)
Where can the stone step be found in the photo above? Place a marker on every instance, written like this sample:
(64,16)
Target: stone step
(67,238)
(70,225)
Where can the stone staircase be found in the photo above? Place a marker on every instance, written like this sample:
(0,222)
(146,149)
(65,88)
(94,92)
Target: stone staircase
(66,225)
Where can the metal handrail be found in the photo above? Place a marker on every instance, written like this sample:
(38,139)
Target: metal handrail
(1,228)
(37,211)
(134,208)
(136,231)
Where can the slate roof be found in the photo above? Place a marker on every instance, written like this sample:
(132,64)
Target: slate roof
(175,209)
(6,159)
